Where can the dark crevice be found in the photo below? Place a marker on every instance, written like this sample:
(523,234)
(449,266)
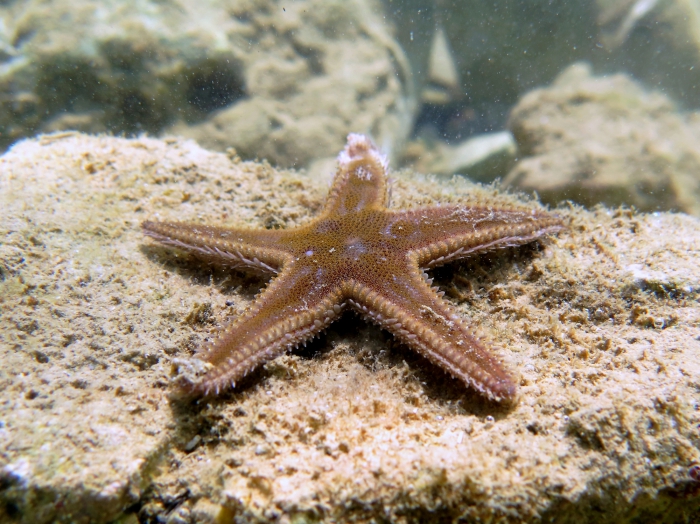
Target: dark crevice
(212,85)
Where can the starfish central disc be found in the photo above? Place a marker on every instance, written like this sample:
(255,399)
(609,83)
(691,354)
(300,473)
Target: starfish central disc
(358,253)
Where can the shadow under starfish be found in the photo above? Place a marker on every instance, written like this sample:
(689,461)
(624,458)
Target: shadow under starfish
(358,254)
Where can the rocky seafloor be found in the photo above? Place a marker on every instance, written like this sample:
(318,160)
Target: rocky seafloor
(601,325)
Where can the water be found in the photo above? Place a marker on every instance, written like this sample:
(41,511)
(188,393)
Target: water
(287,81)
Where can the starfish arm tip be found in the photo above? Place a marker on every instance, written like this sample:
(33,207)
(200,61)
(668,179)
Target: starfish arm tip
(359,146)
(505,391)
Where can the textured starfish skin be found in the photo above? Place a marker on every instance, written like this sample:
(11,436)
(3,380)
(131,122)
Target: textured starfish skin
(358,254)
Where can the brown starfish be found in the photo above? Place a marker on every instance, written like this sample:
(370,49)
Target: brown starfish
(361,255)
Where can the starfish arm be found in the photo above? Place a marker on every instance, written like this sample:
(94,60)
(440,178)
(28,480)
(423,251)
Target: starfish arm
(291,310)
(360,182)
(415,313)
(441,234)
(258,250)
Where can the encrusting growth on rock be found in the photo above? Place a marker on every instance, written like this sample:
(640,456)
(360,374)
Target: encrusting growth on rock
(360,255)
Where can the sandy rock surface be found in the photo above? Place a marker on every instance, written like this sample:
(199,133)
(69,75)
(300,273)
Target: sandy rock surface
(601,325)
(606,140)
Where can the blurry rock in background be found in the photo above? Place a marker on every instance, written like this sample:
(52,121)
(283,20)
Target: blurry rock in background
(606,140)
(443,84)
(500,52)
(324,69)
(481,158)
(282,81)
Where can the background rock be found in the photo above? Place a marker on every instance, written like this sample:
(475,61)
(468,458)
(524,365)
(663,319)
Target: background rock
(504,49)
(602,325)
(606,139)
(482,158)
(284,81)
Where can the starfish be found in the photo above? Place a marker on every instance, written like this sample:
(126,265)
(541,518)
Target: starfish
(358,255)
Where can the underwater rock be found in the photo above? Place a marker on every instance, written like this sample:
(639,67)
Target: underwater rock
(443,80)
(499,50)
(335,68)
(275,80)
(95,322)
(606,140)
(482,158)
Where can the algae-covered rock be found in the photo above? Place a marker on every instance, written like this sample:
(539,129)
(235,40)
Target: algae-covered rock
(283,81)
(601,324)
(606,140)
